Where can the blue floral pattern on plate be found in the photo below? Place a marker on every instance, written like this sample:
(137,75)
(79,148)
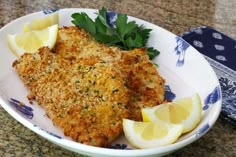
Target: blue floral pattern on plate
(120,146)
(111,18)
(203,130)
(25,110)
(169,95)
(180,49)
(49,11)
(50,133)
(212,98)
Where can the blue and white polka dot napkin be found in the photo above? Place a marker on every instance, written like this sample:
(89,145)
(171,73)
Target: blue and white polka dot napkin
(220,51)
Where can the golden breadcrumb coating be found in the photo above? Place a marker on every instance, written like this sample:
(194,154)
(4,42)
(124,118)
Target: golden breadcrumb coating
(87,88)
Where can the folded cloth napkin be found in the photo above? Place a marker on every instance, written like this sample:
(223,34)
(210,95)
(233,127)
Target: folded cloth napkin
(220,52)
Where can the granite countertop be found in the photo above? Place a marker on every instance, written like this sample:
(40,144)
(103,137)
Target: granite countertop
(176,16)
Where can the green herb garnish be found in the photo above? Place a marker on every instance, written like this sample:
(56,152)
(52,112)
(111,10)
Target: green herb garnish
(124,34)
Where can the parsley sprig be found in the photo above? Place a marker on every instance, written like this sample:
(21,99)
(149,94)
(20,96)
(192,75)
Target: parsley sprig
(124,34)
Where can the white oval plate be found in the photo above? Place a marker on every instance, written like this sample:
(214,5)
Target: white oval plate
(185,70)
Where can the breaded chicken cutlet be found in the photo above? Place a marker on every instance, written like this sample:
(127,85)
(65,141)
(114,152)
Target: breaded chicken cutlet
(87,88)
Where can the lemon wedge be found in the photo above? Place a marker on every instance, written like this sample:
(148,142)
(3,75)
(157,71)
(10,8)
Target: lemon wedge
(186,111)
(42,23)
(31,41)
(151,134)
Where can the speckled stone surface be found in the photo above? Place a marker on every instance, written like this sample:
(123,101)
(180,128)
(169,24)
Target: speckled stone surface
(176,16)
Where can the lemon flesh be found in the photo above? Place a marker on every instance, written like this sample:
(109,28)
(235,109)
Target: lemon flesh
(42,23)
(31,41)
(151,134)
(185,111)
